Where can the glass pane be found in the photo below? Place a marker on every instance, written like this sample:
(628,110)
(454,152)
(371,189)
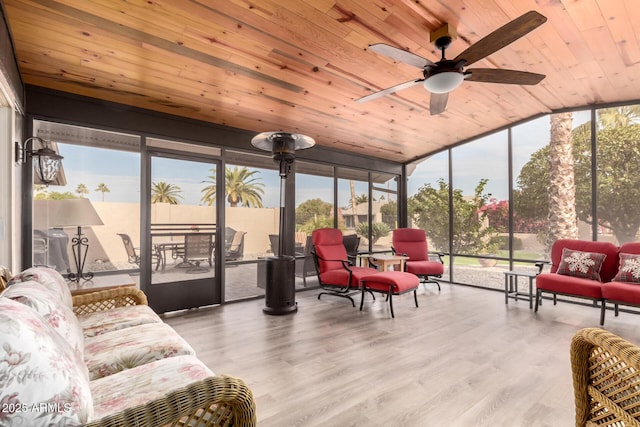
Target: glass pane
(530,195)
(252,200)
(428,200)
(618,178)
(480,194)
(183,220)
(384,207)
(314,209)
(314,199)
(480,184)
(98,192)
(353,204)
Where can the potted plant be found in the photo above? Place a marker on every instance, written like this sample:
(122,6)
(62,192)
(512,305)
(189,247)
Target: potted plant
(489,248)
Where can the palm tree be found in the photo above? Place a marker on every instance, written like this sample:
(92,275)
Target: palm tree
(209,192)
(241,187)
(82,190)
(353,202)
(562,187)
(618,116)
(162,192)
(102,187)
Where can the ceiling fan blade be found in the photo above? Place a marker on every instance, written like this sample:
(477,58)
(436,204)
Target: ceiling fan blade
(514,77)
(438,102)
(389,90)
(502,37)
(400,55)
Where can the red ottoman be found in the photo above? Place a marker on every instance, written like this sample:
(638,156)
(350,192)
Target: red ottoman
(390,283)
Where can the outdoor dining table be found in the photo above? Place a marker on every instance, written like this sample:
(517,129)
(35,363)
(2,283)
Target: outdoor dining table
(170,238)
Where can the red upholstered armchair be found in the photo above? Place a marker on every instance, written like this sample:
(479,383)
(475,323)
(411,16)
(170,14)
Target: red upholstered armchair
(412,242)
(335,274)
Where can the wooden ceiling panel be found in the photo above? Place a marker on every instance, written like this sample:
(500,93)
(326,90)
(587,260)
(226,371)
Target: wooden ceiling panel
(298,65)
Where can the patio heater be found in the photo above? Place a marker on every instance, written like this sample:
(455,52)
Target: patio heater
(280,286)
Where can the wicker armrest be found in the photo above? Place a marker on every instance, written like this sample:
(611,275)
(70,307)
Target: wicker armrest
(606,378)
(107,299)
(220,400)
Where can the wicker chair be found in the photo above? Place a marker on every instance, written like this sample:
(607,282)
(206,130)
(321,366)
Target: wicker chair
(606,379)
(219,400)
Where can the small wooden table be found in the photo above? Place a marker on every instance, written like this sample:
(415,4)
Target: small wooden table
(384,261)
(101,283)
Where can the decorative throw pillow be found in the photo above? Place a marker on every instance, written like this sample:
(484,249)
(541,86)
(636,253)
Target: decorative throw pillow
(628,268)
(48,305)
(581,264)
(41,381)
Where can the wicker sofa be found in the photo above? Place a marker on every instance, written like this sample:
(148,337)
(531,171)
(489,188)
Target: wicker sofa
(598,271)
(103,359)
(606,379)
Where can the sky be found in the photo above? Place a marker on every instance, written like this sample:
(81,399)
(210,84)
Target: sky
(120,172)
(482,158)
(487,158)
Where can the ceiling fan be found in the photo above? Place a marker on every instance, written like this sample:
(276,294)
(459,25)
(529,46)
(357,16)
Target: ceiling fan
(443,76)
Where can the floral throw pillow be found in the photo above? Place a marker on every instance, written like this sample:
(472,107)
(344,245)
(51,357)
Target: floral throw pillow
(581,264)
(48,305)
(628,268)
(42,382)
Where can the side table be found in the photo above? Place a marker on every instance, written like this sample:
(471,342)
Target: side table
(384,261)
(511,286)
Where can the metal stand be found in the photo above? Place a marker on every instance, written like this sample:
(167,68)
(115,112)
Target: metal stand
(80,248)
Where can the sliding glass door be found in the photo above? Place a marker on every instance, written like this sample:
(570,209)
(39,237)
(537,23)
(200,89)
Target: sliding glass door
(183,252)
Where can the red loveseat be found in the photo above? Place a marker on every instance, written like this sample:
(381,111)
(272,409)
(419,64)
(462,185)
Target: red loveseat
(581,287)
(622,293)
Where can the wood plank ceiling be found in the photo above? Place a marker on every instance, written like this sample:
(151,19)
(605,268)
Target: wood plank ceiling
(298,65)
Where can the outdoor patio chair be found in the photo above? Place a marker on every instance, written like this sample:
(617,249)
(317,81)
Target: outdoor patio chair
(351,243)
(274,243)
(234,244)
(305,266)
(198,248)
(336,275)
(132,252)
(40,248)
(412,242)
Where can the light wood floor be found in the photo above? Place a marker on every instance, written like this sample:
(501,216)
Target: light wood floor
(463,358)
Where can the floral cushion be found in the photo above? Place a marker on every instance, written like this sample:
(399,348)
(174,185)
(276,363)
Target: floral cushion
(117,318)
(144,383)
(629,268)
(115,351)
(581,264)
(49,306)
(41,381)
(49,278)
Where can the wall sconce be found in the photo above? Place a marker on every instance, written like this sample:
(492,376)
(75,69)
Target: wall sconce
(46,161)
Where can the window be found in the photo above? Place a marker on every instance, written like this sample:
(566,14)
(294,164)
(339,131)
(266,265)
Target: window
(353,203)
(618,174)
(105,172)
(428,200)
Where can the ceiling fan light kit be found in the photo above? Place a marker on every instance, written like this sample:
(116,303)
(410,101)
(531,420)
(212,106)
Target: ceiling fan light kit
(444,76)
(443,82)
